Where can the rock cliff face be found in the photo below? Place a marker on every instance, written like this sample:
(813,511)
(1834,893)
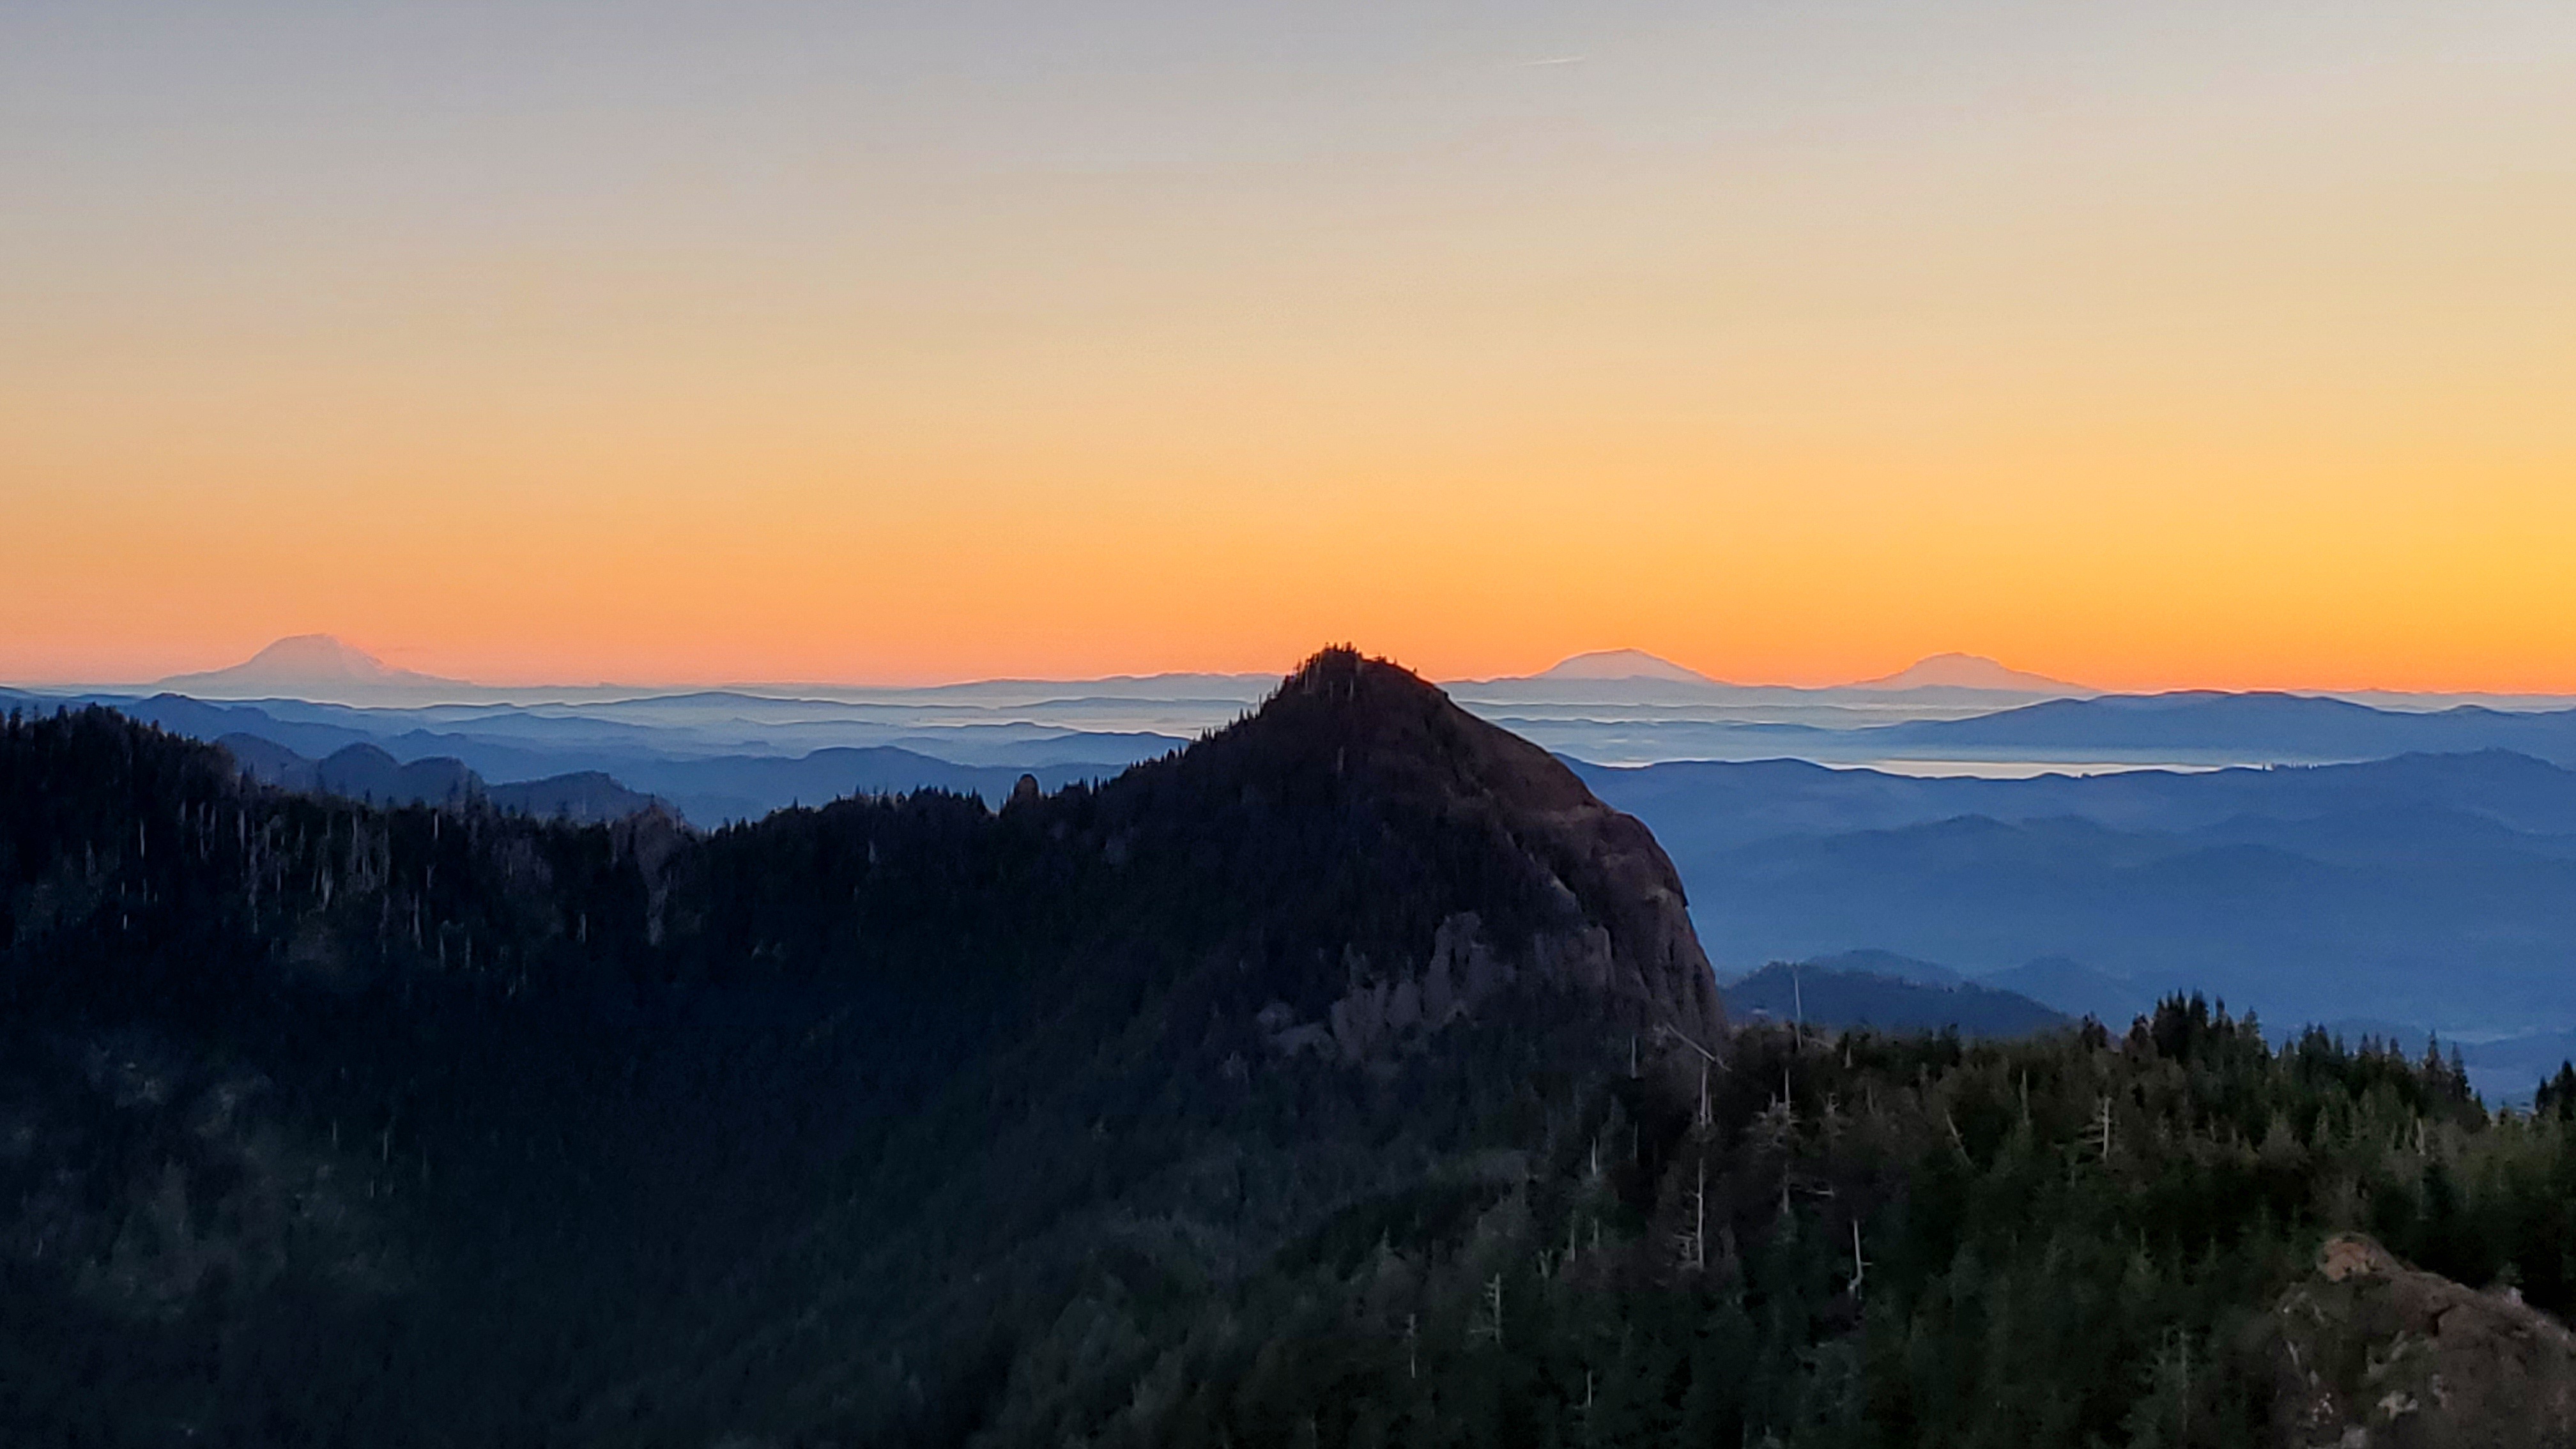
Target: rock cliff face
(1393,782)
(2372,1354)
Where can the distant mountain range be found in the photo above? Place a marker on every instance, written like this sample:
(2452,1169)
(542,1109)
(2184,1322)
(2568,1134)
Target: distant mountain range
(2432,887)
(367,774)
(1849,990)
(326,667)
(1622,664)
(1974,674)
(716,757)
(2277,727)
(2197,728)
(2437,892)
(1952,713)
(1971,671)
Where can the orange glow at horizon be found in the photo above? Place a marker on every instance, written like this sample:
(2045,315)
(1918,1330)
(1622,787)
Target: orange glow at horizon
(2241,372)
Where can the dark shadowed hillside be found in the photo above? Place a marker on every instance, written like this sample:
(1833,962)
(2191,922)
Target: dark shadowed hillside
(892,1073)
(1350,1078)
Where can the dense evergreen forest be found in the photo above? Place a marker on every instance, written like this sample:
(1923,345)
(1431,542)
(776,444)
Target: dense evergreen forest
(1349,1078)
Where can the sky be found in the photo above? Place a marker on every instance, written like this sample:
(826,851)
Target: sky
(2194,344)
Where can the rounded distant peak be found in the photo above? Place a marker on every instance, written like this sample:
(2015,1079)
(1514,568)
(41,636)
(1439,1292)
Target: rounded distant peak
(320,655)
(1969,671)
(1623,664)
(309,666)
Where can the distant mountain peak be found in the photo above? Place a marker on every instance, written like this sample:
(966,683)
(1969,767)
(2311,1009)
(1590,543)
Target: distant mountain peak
(317,656)
(307,666)
(1622,664)
(1968,671)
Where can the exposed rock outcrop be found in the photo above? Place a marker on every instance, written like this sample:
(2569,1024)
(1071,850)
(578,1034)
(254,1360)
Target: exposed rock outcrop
(1600,911)
(2372,1354)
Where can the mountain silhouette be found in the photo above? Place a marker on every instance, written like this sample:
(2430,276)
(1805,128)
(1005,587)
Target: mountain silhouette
(1968,671)
(831,1110)
(1350,1077)
(364,772)
(1837,998)
(311,666)
(1612,664)
(2259,725)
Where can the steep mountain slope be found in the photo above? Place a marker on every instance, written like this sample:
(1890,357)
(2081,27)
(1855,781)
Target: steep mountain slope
(1321,1085)
(1323,846)
(456,1122)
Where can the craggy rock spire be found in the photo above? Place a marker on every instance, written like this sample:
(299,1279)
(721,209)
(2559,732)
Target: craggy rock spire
(1609,918)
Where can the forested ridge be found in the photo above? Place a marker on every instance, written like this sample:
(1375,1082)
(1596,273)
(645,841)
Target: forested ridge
(1339,1080)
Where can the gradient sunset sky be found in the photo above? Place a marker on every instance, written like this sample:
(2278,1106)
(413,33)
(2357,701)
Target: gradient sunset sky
(2227,344)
